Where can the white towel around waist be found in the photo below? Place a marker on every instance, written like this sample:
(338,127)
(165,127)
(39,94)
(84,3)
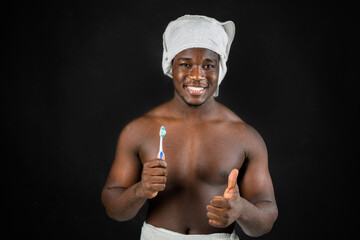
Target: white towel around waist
(150,232)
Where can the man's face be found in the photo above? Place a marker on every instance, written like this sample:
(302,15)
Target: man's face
(195,72)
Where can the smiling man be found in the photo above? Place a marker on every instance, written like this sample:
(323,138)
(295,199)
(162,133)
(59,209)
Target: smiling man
(216,169)
(195,74)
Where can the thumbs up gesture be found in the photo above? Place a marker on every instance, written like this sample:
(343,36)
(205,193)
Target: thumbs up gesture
(224,210)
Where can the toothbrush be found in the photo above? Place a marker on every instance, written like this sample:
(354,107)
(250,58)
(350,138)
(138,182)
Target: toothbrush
(162,134)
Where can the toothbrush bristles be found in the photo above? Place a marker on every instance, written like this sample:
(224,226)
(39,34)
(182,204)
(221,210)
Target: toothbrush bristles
(162,131)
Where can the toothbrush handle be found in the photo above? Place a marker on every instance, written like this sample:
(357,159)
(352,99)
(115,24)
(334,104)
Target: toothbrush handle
(161,145)
(161,153)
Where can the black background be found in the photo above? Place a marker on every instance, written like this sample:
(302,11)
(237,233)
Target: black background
(79,71)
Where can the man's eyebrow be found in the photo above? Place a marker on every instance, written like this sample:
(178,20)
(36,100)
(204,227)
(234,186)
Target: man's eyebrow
(211,60)
(184,59)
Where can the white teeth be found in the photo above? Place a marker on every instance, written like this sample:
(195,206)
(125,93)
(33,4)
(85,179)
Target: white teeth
(198,89)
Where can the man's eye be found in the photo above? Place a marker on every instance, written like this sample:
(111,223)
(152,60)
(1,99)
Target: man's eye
(185,64)
(209,66)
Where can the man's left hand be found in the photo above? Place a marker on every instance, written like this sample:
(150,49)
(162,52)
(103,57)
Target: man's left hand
(222,211)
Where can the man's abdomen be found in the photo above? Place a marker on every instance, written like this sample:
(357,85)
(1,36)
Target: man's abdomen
(182,208)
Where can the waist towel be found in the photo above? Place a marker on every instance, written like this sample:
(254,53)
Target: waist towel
(150,232)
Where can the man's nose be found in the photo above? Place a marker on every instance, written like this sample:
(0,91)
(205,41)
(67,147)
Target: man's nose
(197,73)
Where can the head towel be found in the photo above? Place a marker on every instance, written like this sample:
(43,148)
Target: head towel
(196,31)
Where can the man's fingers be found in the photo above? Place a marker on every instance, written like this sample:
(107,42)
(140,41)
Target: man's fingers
(159,187)
(155,163)
(151,190)
(232,181)
(158,179)
(217,211)
(219,208)
(153,177)
(215,223)
(215,217)
(219,202)
(154,195)
(233,178)
(157,172)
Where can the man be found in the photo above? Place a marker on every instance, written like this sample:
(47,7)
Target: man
(216,167)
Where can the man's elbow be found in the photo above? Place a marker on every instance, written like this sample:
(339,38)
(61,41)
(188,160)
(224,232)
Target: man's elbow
(117,216)
(113,211)
(270,220)
(264,229)
(266,226)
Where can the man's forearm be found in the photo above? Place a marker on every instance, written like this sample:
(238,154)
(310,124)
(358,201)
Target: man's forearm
(258,219)
(122,204)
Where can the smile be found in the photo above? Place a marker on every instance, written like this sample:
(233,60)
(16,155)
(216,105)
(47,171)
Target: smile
(195,90)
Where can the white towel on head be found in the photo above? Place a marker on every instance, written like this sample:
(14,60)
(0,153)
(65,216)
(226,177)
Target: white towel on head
(196,31)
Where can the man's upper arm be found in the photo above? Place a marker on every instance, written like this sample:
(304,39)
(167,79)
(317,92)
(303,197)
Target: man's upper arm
(126,168)
(256,184)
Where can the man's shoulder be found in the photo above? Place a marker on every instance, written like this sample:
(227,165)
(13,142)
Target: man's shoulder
(227,115)
(140,124)
(236,122)
(145,122)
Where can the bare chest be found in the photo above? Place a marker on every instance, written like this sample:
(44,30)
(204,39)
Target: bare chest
(203,154)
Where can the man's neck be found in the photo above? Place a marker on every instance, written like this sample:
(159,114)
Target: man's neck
(205,111)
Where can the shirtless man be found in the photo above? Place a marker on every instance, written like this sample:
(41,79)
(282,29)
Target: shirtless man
(216,167)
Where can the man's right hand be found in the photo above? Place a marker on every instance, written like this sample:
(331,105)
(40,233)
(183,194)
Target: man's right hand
(153,178)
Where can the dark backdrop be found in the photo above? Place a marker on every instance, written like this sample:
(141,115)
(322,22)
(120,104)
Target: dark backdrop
(80,71)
